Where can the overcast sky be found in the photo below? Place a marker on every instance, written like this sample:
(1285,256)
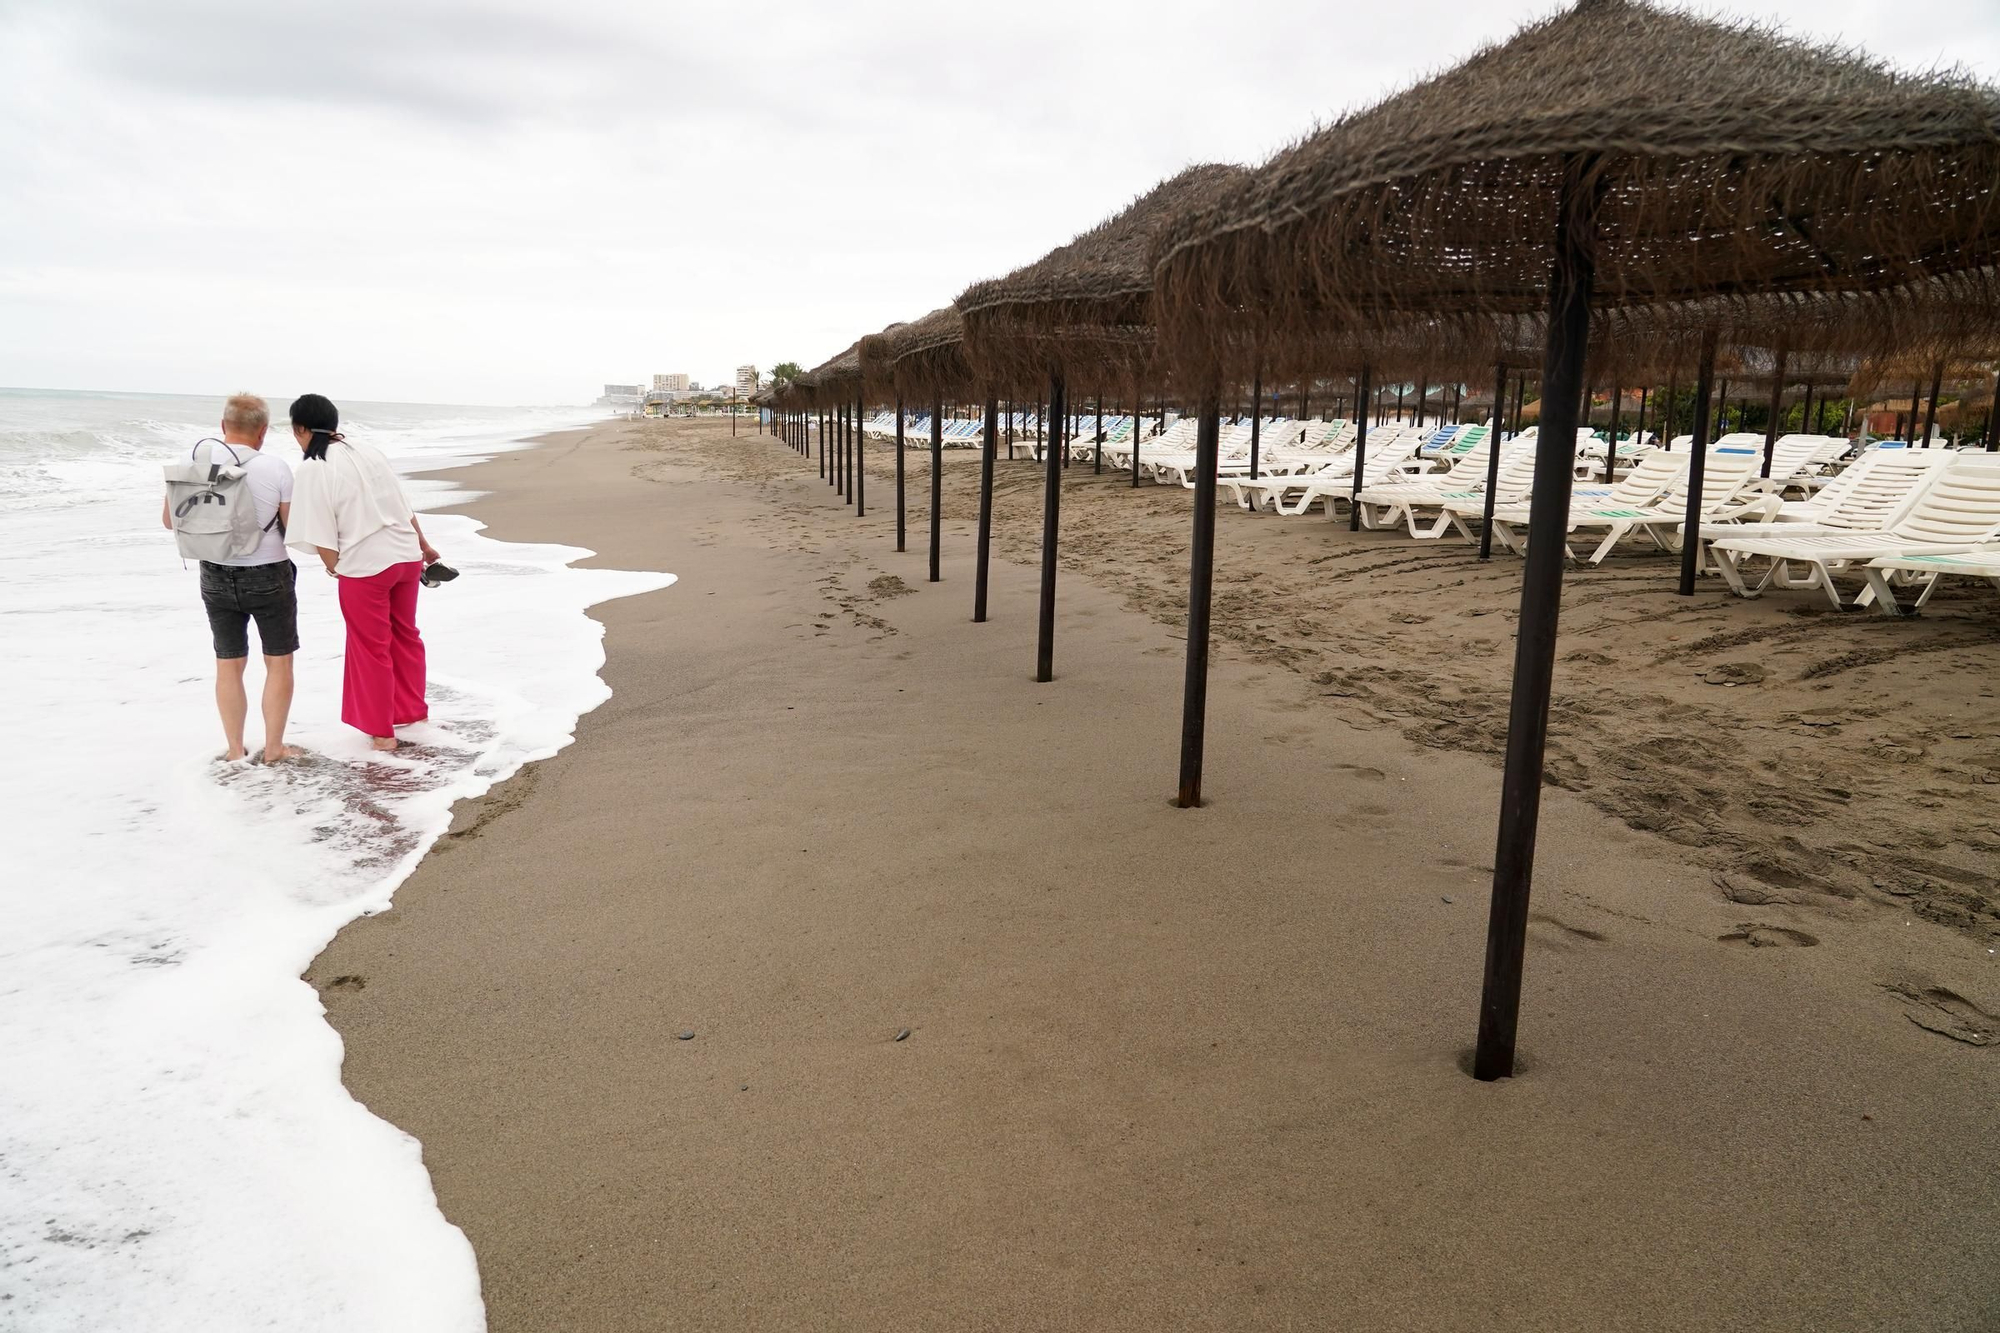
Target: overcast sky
(515,202)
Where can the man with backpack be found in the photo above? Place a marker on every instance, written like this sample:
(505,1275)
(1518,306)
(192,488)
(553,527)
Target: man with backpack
(227,504)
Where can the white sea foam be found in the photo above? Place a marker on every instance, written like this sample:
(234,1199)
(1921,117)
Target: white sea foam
(176,1148)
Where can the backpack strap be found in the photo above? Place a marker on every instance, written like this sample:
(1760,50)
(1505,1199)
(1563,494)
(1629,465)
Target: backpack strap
(277,519)
(214,468)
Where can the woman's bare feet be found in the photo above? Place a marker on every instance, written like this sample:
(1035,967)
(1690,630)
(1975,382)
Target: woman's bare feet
(272,756)
(234,753)
(382,742)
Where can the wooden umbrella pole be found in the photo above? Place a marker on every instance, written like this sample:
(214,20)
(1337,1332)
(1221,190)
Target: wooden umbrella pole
(1611,445)
(1672,411)
(1362,391)
(1138,407)
(1062,428)
(988,448)
(1572,274)
(1771,426)
(1993,436)
(1201,582)
(937,484)
(1097,446)
(860,461)
(1493,442)
(1045,625)
(1916,409)
(1930,413)
(1256,417)
(901,523)
(1697,466)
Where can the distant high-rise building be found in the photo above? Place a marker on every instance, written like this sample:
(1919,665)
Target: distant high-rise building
(746,381)
(621,395)
(670,384)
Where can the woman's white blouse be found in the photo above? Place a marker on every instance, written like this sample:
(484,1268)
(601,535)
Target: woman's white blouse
(352,502)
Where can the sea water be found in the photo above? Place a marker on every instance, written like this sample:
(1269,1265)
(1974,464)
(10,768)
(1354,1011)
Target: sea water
(176,1148)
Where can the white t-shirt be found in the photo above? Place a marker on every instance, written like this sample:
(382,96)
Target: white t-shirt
(351,502)
(269,481)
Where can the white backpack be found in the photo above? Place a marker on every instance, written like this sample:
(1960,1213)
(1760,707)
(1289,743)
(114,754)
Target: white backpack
(214,516)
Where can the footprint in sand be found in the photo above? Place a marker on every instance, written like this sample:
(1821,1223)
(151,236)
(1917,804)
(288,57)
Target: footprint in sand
(1575,932)
(1944,1011)
(1751,935)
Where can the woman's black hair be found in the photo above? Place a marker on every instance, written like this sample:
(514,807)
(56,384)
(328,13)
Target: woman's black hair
(317,414)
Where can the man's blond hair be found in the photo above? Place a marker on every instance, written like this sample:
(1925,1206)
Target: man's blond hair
(246,412)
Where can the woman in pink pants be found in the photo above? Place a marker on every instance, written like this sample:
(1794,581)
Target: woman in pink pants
(348,507)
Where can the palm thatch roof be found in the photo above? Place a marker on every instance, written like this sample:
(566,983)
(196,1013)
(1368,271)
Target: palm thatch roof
(835,380)
(926,357)
(878,372)
(1086,306)
(1740,161)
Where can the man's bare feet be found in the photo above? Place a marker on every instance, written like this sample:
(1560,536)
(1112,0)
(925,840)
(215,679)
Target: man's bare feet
(282,752)
(382,742)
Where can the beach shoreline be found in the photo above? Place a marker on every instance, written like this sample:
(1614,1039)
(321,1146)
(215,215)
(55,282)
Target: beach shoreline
(1163,1069)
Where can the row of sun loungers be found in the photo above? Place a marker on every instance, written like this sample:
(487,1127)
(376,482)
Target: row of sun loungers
(1899,517)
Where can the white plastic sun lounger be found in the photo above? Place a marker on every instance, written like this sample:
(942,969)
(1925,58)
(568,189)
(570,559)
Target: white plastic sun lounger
(1654,474)
(1957,511)
(1334,464)
(1980,563)
(1515,478)
(1174,439)
(1234,440)
(1323,443)
(1393,503)
(1295,495)
(1725,476)
(1862,499)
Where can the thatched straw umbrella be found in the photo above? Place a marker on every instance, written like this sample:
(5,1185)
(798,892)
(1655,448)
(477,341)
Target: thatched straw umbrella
(1081,310)
(927,363)
(878,380)
(1539,175)
(836,385)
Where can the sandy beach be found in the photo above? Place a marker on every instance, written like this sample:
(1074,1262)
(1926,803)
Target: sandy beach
(987,1035)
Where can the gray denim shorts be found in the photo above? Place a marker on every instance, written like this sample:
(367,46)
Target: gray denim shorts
(234,595)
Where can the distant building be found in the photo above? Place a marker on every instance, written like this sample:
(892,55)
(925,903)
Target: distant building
(622,395)
(746,381)
(670,384)
(691,388)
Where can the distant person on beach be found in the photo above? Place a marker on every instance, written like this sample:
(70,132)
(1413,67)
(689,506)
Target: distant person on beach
(350,510)
(259,586)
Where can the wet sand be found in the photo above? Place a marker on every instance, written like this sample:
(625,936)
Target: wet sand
(1190,1069)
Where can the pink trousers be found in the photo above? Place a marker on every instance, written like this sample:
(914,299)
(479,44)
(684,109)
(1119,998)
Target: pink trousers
(384,687)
